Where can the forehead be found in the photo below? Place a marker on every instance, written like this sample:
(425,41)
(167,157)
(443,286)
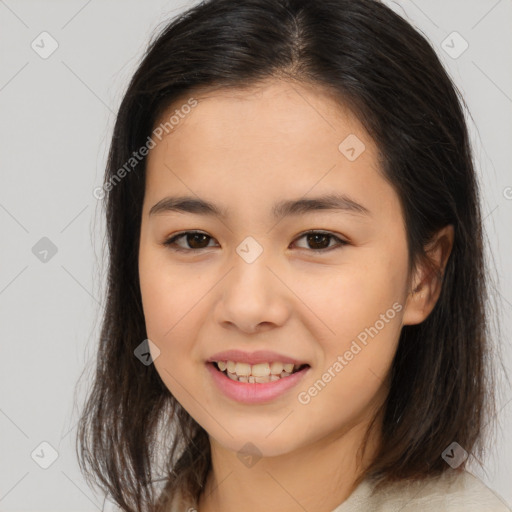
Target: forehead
(276,119)
(260,144)
(284,104)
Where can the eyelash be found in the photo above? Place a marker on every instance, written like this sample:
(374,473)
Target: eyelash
(171,241)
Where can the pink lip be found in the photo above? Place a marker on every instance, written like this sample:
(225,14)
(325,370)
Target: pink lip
(260,356)
(247,393)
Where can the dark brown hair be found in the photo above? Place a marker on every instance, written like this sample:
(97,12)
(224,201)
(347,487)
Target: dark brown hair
(391,78)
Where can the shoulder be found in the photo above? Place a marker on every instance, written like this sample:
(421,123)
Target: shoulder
(453,491)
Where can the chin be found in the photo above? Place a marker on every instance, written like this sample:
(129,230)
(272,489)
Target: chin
(256,445)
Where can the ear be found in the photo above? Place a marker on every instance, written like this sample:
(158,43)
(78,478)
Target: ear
(427,279)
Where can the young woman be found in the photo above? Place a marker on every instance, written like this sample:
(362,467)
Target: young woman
(295,317)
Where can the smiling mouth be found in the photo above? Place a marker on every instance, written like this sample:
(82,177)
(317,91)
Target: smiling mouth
(257,373)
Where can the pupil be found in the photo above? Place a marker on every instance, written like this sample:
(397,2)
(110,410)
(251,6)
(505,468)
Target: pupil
(194,237)
(315,238)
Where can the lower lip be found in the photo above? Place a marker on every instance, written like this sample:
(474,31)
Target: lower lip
(256,393)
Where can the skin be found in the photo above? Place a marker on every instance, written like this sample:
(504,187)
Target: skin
(245,150)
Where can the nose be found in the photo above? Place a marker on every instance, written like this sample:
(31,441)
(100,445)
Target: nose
(254,297)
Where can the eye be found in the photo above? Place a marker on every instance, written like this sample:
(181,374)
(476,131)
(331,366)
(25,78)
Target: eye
(196,241)
(320,240)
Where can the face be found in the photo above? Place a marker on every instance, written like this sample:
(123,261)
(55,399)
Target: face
(320,284)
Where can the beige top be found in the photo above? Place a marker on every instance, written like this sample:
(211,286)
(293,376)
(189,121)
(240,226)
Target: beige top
(453,491)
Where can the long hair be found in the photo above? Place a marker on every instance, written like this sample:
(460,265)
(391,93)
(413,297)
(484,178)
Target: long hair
(379,66)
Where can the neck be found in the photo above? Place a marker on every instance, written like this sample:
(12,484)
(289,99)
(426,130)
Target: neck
(316,477)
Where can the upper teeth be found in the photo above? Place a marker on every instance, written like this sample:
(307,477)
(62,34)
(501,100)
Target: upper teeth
(256,370)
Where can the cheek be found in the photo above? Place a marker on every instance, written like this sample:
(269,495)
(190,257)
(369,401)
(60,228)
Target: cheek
(165,315)
(156,301)
(173,303)
(169,313)
(352,297)
(362,305)
(168,295)
(362,308)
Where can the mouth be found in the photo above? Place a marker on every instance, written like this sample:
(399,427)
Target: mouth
(260,373)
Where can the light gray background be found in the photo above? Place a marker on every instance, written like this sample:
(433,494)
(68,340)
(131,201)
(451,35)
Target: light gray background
(56,120)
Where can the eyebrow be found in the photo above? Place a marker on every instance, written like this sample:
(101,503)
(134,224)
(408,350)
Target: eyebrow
(286,208)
